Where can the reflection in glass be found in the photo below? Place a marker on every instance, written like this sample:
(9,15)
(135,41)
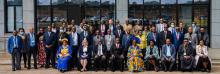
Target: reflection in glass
(168,12)
(43,2)
(19,17)
(59,14)
(14,2)
(43,16)
(152,12)
(107,9)
(10,23)
(185,1)
(135,2)
(201,1)
(201,15)
(58,2)
(151,2)
(75,2)
(185,14)
(168,1)
(92,11)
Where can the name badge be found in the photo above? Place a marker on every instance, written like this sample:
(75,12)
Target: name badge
(184,54)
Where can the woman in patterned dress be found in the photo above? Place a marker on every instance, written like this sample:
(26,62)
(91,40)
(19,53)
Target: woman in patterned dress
(135,62)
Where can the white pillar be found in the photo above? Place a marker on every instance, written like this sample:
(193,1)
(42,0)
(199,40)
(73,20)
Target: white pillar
(2,21)
(122,10)
(215,23)
(28,14)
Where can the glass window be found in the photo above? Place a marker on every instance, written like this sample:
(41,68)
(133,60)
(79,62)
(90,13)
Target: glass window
(201,15)
(10,26)
(201,1)
(92,11)
(14,2)
(14,15)
(59,14)
(135,10)
(43,16)
(151,2)
(152,12)
(43,2)
(185,1)
(185,14)
(75,2)
(168,12)
(107,9)
(168,1)
(58,2)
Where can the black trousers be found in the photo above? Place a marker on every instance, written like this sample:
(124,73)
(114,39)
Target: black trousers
(50,57)
(200,63)
(74,60)
(24,56)
(16,61)
(167,63)
(100,61)
(117,62)
(32,52)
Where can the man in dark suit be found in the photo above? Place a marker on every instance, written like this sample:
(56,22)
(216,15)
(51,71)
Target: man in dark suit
(111,26)
(14,48)
(85,34)
(202,35)
(119,31)
(164,35)
(61,35)
(49,41)
(74,42)
(168,55)
(32,48)
(177,38)
(100,56)
(153,35)
(117,56)
(102,27)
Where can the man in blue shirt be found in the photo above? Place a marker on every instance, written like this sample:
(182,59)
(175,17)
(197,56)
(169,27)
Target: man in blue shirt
(14,48)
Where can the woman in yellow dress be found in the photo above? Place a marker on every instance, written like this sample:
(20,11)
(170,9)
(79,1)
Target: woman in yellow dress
(143,41)
(135,62)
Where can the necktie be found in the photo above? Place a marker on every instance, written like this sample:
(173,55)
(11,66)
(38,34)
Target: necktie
(15,42)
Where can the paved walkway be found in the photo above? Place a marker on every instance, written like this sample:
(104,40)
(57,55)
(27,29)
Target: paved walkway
(6,69)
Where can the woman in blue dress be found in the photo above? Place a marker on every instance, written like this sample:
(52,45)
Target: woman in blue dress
(64,55)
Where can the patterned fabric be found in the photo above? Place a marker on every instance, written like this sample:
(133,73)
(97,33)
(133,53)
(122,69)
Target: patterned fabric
(41,54)
(135,61)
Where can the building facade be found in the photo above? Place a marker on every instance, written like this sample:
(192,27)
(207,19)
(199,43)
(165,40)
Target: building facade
(40,13)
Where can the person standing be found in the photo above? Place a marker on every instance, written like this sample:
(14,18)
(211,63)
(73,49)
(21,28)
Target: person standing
(32,48)
(41,48)
(23,36)
(14,48)
(49,41)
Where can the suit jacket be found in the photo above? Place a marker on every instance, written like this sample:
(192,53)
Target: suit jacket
(112,30)
(158,27)
(116,33)
(29,39)
(88,51)
(151,37)
(100,29)
(177,42)
(112,41)
(205,38)
(103,50)
(164,51)
(82,36)
(95,40)
(24,49)
(117,51)
(155,52)
(11,43)
(126,41)
(49,39)
(162,37)
(189,50)
(193,40)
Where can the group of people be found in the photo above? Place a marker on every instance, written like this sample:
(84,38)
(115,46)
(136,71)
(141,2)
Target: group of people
(154,46)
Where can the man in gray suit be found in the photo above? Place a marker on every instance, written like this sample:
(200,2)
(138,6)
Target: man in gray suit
(160,26)
(168,55)
(202,35)
(109,41)
(192,37)
(195,28)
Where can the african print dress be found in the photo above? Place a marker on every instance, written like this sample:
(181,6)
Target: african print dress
(135,62)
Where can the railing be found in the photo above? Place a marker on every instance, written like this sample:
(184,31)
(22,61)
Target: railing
(3,44)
